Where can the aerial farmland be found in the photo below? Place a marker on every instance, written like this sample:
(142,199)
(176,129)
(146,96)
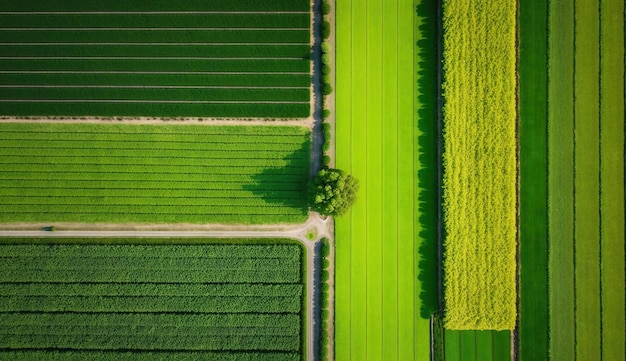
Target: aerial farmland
(304,180)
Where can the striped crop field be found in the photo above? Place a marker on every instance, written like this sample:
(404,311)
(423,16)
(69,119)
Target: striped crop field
(153,173)
(180,302)
(572,180)
(238,58)
(477,345)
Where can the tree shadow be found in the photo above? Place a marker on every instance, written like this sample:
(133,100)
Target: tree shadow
(284,184)
(429,197)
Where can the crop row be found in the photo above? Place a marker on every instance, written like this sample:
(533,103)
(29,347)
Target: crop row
(217,94)
(161,5)
(174,65)
(479,182)
(63,264)
(234,216)
(169,132)
(241,110)
(104,319)
(217,160)
(154,35)
(150,289)
(151,342)
(206,304)
(137,355)
(139,79)
(131,331)
(147,175)
(167,51)
(151,251)
(151,275)
(270,20)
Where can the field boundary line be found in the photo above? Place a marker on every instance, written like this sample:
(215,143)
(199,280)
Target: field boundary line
(152,44)
(146,58)
(150,29)
(151,86)
(151,72)
(148,101)
(145,12)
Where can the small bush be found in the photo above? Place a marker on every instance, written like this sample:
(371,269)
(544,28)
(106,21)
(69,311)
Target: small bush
(325,276)
(326,7)
(324,302)
(326,59)
(325,315)
(326,113)
(326,161)
(327,89)
(326,79)
(325,29)
(325,47)
(325,69)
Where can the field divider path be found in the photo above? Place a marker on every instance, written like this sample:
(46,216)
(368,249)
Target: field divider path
(297,233)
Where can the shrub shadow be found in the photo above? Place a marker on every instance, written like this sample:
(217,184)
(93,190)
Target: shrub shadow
(428,86)
(285,184)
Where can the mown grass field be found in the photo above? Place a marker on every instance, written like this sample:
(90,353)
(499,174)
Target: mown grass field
(153,173)
(477,345)
(479,165)
(533,138)
(378,312)
(222,301)
(237,58)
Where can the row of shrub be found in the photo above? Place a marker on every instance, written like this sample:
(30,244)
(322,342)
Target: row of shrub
(324,299)
(327,87)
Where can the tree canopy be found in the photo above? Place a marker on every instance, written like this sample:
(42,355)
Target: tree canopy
(332,192)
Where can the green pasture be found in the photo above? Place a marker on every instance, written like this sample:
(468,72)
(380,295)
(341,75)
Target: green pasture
(477,345)
(586,219)
(96,299)
(246,59)
(155,174)
(380,314)
(561,180)
(533,227)
(612,178)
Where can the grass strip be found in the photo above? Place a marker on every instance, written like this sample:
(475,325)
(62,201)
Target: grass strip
(612,179)
(533,87)
(561,179)
(587,182)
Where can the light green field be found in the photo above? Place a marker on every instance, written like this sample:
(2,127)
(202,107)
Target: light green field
(377,307)
(152,173)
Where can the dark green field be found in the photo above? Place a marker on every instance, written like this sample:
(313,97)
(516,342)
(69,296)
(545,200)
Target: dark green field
(124,58)
(217,301)
(153,173)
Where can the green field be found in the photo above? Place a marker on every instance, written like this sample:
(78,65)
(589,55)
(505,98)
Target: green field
(479,165)
(533,87)
(572,142)
(222,301)
(477,345)
(237,58)
(153,173)
(378,304)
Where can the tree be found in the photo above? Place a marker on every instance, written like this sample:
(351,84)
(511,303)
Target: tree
(332,192)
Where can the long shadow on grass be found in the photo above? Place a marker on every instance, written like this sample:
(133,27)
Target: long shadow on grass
(428,174)
(284,185)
